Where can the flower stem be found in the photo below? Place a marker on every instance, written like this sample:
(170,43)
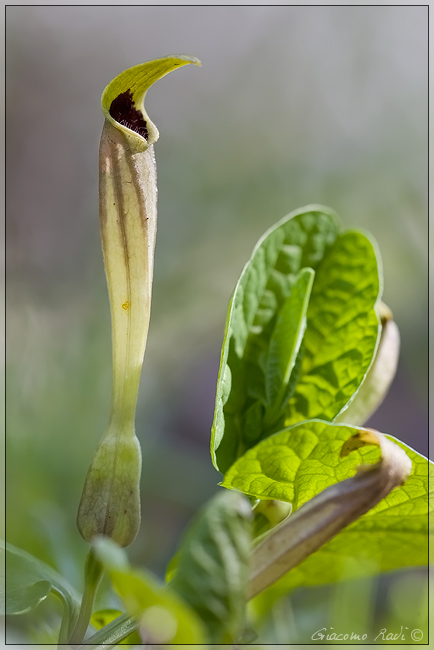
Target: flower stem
(92,576)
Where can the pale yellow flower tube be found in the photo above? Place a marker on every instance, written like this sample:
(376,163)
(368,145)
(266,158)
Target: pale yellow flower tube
(110,503)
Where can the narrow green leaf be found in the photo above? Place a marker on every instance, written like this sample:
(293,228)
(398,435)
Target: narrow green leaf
(29,581)
(172,567)
(213,566)
(285,342)
(162,616)
(298,463)
(342,330)
(298,241)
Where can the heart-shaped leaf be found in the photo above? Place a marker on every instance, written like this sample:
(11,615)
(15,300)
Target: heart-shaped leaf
(250,377)
(300,462)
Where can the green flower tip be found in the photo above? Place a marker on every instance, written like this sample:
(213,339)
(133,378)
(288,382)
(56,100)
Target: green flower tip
(122,101)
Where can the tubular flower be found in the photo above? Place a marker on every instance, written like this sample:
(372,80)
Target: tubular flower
(110,503)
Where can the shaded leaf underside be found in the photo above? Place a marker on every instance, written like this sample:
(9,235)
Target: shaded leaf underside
(29,581)
(212,571)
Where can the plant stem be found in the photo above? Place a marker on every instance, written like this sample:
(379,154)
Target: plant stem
(70,615)
(112,634)
(92,576)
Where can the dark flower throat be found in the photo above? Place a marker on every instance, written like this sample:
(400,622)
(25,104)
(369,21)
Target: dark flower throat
(122,110)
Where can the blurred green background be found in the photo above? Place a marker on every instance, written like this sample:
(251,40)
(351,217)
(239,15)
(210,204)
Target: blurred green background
(293,105)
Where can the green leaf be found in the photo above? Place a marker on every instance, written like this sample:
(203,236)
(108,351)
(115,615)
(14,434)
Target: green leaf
(298,463)
(29,581)
(105,616)
(329,512)
(298,241)
(172,567)
(163,617)
(284,344)
(380,376)
(342,330)
(391,536)
(213,566)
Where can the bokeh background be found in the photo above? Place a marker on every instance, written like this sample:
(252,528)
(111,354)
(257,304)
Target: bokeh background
(293,105)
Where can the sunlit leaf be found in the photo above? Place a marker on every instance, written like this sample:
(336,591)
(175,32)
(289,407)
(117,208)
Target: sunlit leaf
(342,330)
(284,345)
(299,241)
(298,463)
(380,376)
